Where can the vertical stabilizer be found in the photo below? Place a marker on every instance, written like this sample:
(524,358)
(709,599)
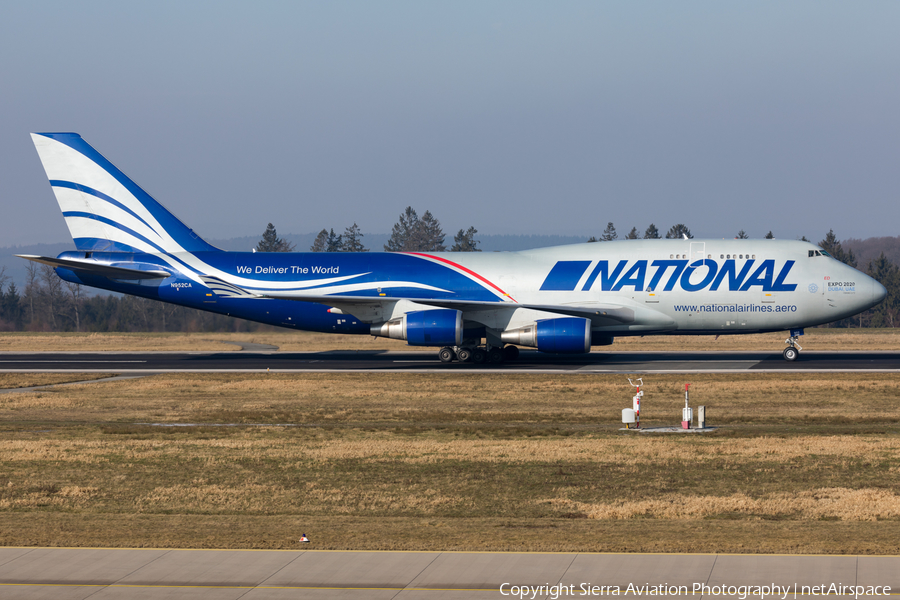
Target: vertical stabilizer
(104,209)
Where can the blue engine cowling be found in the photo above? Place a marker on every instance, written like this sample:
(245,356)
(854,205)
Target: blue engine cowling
(565,335)
(438,327)
(568,335)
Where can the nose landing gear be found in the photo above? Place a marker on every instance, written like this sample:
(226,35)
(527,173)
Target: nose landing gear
(792,352)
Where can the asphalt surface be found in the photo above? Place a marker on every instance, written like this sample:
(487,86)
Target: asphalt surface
(417,361)
(101,573)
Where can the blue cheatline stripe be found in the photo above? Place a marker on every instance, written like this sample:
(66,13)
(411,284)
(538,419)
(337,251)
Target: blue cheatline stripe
(565,275)
(180,232)
(91,191)
(112,223)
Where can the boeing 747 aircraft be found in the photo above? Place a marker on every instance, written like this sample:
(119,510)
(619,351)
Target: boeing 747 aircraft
(477,307)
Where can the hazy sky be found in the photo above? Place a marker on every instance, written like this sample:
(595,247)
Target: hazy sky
(514,117)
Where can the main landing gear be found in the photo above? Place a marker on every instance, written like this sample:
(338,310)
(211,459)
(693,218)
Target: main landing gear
(478,355)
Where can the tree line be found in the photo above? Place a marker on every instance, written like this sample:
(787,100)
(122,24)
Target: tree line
(675,232)
(47,303)
(410,233)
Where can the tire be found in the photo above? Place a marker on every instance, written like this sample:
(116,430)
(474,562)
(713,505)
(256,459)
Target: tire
(510,353)
(495,356)
(479,356)
(446,355)
(791,354)
(464,354)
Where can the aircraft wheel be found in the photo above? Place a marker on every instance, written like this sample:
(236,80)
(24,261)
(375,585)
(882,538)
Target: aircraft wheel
(495,356)
(479,356)
(464,355)
(510,352)
(446,355)
(790,354)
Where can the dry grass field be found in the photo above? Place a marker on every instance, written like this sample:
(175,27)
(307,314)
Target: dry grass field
(815,339)
(800,463)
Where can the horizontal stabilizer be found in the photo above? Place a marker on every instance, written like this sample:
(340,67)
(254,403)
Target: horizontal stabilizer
(93,267)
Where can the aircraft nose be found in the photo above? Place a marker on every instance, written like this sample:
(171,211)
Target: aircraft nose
(879,292)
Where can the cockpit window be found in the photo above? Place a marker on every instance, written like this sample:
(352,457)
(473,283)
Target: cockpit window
(823,253)
(817,253)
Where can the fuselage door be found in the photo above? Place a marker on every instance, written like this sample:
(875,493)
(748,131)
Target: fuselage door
(698,251)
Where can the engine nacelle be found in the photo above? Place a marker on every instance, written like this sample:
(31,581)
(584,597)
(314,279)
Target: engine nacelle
(565,335)
(438,327)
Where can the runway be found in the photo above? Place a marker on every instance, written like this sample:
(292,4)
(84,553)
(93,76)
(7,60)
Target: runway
(66,574)
(426,361)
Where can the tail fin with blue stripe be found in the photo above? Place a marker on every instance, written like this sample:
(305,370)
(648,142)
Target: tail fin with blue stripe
(105,210)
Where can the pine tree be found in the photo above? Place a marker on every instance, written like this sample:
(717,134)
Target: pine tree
(11,310)
(432,236)
(403,231)
(352,240)
(833,247)
(270,242)
(412,234)
(633,234)
(652,233)
(679,231)
(333,242)
(592,239)
(887,274)
(742,235)
(609,234)
(465,241)
(320,244)
(770,235)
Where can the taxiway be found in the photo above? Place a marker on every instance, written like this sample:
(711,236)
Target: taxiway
(426,361)
(77,574)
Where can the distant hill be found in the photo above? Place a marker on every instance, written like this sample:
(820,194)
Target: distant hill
(871,248)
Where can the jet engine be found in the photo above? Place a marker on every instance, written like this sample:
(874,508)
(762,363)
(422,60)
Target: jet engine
(438,327)
(565,335)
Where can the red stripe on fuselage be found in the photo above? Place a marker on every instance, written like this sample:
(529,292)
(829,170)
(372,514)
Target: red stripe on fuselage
(462,268)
